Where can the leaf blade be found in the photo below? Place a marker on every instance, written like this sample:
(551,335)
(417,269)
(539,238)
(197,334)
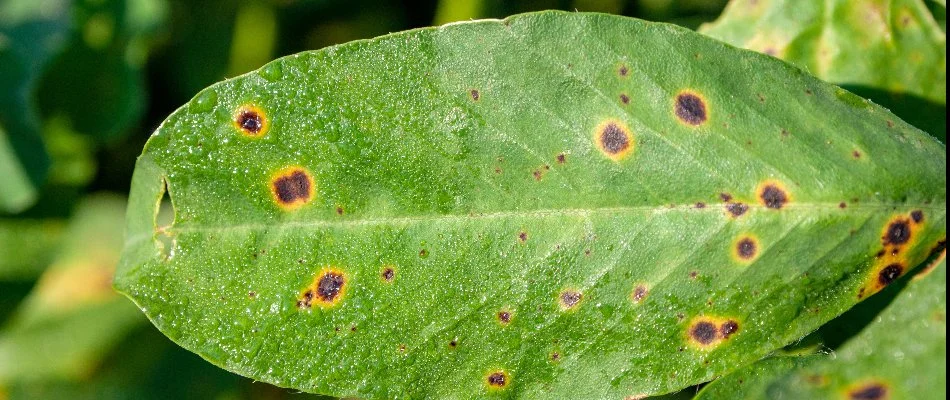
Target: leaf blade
(408,179)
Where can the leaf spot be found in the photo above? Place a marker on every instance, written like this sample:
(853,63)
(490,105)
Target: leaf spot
(624,99)
(898,232)
(737,209)
(690,108)
(704,332)
(868,391)
(504,317)
(388,274)
(746,248)
(498,379)
(890,274)
(251,121)
(614,139)
(917,216)
(773,195)
(569,299)
(292,187)
(475,95)
(640,293)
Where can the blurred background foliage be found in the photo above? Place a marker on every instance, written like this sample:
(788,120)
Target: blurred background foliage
(85,82)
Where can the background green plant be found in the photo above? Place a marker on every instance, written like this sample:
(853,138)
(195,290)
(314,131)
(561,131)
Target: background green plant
(89,81)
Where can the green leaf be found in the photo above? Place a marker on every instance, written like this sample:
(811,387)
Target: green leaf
(902,355)
(473,194)
(890,51)
(72,318)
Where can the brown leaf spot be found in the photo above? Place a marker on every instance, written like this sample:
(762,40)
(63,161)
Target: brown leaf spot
(251,121)
(917,216)
(898,232)
(624,99)
(388,274)
(700,205)
(614,139)
(640,292)
(475,95)
(725,197)
(890,274)
(498,379)
(856,154)
(561,158)
(737,209)
(623,70)
(704,332)
(746,248)
(569,299)
(504,317)
(773,195)
(842,205)
(690,108)
(728,328)
(522,236)
(292,187)
(869,391)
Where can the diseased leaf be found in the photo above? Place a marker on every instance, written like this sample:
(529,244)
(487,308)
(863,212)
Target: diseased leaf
(890,51)
(902,355)
(71,319)
(557,205)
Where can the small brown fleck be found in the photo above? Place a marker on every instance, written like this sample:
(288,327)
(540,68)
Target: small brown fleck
(693,274)
(454,343)
(842,205)
(561,158)
(623,70)
(726,197)
(890,124)
(690,108)
(339,210)
(252,294)
(700,205)
(917,216)
(475,95)
(522,236)
(423,253)
(555,356)
(624,99)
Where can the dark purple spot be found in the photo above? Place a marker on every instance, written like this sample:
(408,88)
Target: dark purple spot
(504,317)
(898,232)
(704,332)
(475,94)
(773,197)
(917,216)
(570,298)
(690,109)
(523,236)
(623,70)
(561,158)
(856,154)
(873,391)
(250,121)
(639,293)
(746,248)
(728,328)
(842,205)
(624,99)
(700,205)
(726,197)
(890,274)
(388,274)
(497,379)
(737,209)
(613,139)
(339,210)
(330,285)
(292,188)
